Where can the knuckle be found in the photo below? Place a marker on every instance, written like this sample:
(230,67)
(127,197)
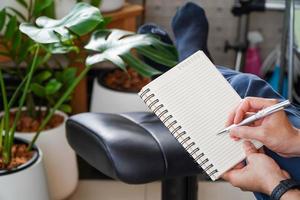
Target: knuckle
(274,101)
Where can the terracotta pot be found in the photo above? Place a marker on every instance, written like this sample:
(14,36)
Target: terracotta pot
(105,99)
(60,160)
(26,182)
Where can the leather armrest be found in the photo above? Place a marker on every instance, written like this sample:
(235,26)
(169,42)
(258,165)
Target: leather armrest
(132,147)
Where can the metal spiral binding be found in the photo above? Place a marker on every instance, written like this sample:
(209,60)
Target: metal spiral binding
(170,123)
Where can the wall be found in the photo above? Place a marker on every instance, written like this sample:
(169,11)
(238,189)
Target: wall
(223,25)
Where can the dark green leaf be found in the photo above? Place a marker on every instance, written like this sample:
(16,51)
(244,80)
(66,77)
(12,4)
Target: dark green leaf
(23,3)
(39,6)
(95,3)
(141,67)
(104,23)
(49,11)
(82,19)
(17,42)
(42,76)
(69,73)
(24,50)
(38,90)
(2,18)
(11,28)
(158,56)
(65,108)
(53,86)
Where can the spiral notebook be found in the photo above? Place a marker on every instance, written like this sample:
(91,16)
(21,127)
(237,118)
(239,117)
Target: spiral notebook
(193,100)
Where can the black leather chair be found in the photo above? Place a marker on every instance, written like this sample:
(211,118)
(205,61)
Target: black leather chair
(134,148)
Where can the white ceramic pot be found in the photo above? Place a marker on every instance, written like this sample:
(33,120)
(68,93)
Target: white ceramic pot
(59,158)
(111,5)
(112,101)
(63,7)
(28,182)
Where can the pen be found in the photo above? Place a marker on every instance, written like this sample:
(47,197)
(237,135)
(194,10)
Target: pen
(260,114)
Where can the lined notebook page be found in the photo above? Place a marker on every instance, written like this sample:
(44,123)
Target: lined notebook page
(199,98)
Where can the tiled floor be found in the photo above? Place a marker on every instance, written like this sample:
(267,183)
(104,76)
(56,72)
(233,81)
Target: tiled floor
(113,190)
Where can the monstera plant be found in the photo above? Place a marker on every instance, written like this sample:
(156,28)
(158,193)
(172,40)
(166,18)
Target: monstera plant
(64,36)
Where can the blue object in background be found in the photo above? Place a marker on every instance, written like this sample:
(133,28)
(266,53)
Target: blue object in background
(274,81)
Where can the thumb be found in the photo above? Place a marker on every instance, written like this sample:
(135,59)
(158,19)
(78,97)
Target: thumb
(249,148)
(235,176)
(246,132)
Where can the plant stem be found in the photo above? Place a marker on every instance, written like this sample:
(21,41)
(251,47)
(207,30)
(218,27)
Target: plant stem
(58,104)
(5,105)
(6,151)
(16,93)
(1,133)
(23,97)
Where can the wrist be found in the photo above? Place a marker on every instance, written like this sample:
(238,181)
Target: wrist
(295,144)
(291,194)
(286,189)
(272,183)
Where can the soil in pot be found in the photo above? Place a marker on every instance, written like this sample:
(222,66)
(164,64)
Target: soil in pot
(129,81)
(28,124)
(20,156)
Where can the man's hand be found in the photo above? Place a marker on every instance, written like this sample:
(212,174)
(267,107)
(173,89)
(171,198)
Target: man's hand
(261,174)
(274,131)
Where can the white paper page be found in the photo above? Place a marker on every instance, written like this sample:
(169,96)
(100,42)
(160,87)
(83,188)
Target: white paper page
(200,99)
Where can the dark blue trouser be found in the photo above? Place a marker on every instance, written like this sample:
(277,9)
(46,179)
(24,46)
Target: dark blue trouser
(190,28)
(251,85)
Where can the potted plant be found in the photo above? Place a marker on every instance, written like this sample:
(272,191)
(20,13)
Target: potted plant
(18,162)
(115,90)
(45,87)
(51,36)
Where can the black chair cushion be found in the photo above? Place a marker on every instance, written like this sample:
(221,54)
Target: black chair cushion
(131,147)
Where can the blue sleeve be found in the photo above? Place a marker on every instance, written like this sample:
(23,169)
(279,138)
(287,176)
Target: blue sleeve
(251,85)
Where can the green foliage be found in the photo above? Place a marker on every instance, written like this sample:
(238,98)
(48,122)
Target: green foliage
(95,3)
(82,19)
(116,45)
(48,36)
(49,86)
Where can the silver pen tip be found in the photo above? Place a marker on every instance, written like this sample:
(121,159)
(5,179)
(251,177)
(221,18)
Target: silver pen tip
(223,131)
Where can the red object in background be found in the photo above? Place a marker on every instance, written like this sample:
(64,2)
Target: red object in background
(253,61)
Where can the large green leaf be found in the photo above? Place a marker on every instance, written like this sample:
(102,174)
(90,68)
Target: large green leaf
(2,18)
(11,28)
(82,19)
(96,2)
(115,46)
(65,108)
(52,86)
(42,76)
(39,6)
(38,90)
